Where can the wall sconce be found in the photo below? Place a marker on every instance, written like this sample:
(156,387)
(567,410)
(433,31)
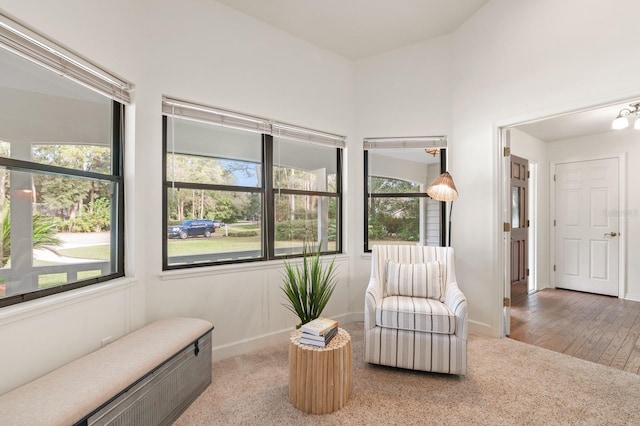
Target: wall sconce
(432,151)
(622,120)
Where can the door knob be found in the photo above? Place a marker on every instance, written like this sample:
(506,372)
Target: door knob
(611,234)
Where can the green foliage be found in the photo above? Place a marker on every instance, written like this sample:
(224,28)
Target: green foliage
(96,217)
(308,286)
(394,218)
(305,230)
(44,235)
(376,230)
(242,233)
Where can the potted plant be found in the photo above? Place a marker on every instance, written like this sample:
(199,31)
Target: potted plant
(308,285)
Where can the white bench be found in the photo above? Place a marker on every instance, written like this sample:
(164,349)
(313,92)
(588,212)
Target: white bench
(148,376)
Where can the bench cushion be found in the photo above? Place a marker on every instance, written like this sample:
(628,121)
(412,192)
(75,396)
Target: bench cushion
(417,314)
(71,392)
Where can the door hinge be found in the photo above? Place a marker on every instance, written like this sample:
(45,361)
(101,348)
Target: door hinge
(554,178)
(507,151)
(527,271)
(554,222)
(506,302)
(528,174)
(554,268)
(507,227)
(528,223)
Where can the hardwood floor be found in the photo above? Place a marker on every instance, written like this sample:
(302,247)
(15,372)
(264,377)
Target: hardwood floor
(596,328)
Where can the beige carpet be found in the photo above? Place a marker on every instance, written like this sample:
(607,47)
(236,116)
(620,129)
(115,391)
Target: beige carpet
(508,383)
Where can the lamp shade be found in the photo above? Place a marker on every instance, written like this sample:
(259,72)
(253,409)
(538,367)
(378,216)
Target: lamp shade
(443,188)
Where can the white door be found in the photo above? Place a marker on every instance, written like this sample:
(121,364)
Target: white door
(587,226)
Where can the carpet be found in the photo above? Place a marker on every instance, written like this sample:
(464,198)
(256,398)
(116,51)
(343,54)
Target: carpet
(508,383)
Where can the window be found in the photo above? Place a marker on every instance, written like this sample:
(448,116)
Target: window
(259,189)
(397,173)
(61,185)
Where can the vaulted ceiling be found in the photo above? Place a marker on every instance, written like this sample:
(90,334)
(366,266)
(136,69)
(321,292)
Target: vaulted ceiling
(356,29)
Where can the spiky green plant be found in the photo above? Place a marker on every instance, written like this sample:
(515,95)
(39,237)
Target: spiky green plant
(44,235)
(308,285)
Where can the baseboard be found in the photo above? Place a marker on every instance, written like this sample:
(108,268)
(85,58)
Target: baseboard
(265,340)
(477,327)
(633,297)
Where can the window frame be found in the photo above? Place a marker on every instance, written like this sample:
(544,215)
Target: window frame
(367,196)
(42,51)
(268,193)
(116,176)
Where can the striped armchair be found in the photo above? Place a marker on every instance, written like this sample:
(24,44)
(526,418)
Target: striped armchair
(415,316)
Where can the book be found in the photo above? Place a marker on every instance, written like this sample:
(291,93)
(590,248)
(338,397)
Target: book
(321,343)
(319,326)
(324,338)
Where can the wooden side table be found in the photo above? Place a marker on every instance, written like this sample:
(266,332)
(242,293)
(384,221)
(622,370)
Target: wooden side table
(320,378)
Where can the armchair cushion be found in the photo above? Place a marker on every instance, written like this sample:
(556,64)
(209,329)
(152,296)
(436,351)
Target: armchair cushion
(415,280)
(417,314)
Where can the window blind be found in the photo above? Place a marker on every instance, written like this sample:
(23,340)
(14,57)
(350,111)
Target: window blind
(30,45)
(406,142)
(177,108)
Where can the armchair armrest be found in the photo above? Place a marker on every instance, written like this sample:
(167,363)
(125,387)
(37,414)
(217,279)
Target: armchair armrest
(372,299)
(457,302)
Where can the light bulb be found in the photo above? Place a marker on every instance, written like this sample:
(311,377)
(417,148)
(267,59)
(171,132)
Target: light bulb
(620,123)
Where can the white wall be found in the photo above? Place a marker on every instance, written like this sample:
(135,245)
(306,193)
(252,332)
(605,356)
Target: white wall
(204,52)
(513,61)
(625,141)
(534,150)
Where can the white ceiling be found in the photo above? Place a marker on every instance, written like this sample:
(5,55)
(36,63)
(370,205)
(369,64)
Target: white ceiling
(577,124)
(356,29)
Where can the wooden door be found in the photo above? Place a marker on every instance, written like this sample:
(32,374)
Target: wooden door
(519,227)
(587,226)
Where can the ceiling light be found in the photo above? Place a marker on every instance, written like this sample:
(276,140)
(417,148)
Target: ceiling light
(622,120)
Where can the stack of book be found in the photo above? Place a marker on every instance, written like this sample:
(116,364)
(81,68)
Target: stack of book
(318,332)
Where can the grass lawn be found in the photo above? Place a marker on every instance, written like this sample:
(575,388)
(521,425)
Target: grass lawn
(216,244)
(99,252)
(51,280)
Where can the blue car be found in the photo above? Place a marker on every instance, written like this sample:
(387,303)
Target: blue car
(191,228)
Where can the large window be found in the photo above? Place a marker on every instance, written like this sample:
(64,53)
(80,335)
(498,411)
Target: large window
(397,208)
(241,189)
(61,186)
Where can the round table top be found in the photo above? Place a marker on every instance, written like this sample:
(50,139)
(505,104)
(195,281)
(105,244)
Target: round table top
(339,340)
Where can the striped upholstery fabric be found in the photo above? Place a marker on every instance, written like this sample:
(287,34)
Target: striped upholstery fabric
(416,313)
(415,280)
(415,332)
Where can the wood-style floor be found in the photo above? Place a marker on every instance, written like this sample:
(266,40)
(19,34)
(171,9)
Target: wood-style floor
(596,328)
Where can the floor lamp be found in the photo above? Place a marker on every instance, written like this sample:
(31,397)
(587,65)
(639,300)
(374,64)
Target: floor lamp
(443,189)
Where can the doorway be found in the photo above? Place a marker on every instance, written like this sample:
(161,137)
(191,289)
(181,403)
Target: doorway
(553,141)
